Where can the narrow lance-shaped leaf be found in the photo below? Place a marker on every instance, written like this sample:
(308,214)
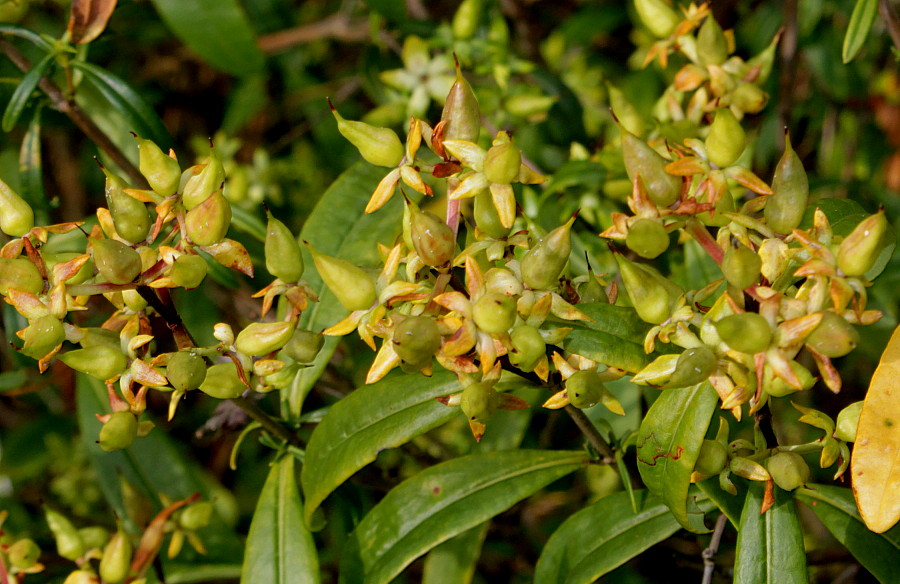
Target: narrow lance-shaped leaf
(23,91)
(280,549)
(453,562)
(31,170)
(770,545)
(858,30)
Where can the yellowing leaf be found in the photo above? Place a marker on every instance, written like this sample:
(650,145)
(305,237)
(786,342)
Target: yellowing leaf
(876,456)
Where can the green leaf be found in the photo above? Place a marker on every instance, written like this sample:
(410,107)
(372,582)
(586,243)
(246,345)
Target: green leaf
(248,222)
(372,418)
(13,380)
(614,338)
(860,23)
(23,92)
(879,553)
(453,562)
(770,545)
(26,34)
(339,227)
(31,170)
(446,500)
(280,550)
(603,536)
(730,505)
(217,30)
(669,442)
(126,101)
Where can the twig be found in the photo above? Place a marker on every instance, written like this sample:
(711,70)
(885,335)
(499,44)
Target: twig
(764,420)
(892,20)
(266,421)
(337,26)
(77,115)
(709,554)
(591,433)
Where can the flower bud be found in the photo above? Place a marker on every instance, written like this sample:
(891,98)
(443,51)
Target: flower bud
(790,192)
(353,287)
(208,222)
(527,347)
(647,238)
(116,262)
(747,332)
(834,337)
(848,422)
(584,389)
(283,257)
(119,431)
(16,215)
(116,559)
(200,185)
(494,313)
(186,370)
(416,339)
(42,335)
(640,159)
(543,264)
(304,346)
(161,171)
(101,361)
(68,542)
(378,146)
(130,216)
(461,111)
(196,516)
(19,274)
(23,554)
(712,458)
(222,382)
(726,139)
(501,165)
(647,293)
(479,401)
(432,238)
(859,250)
(188,271)
(694,365)
(788,470)
(261,338)
(659,18)
(741,267)
(487,219)
(712,48)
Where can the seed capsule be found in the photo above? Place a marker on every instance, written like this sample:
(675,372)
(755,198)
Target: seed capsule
(119,431)
(461,111)
(712,458)
(726,140)
(694,365)
(196,516)
(116,262)
(790,192)
(647,238)
(283,257)
(432,238)
(465,21)
(222,382)
(353,287)
(777,387)
(486,217)
(712,48)
(68,542)
(717,218)
(848,422)
(304,346)
(416,340)
(16,215)
(378,146)
(162,172)
(494,313)
(741,267)
(130,216)
(584,389)
(834,337)
(659,18)
(501,165)
(19,274)
(186,370)
(116,559)
(859,250)
(648,295)
(23,554)
(208,222)
(200,185)
(479,401)
(788,470)
(52,259)
(503,281)
(528,347)
(749,98)
(640,159)
(100,361)
(543,264)
(188,271)
(93,536)
(261,338)
(42,335)
(747,332)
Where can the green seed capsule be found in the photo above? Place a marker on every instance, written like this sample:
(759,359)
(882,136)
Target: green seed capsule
(648,295)
(647,238)
(16,215)
(726,140)
(432,238)
(196,516)
(479,401)
(116,262)
(304,346)
(68,542)
(659,18)
(543,264)
(777,387)
(790,192)
(222,382)
(201,185)
(378,146)
(116,559)
(19,274)
(725,204)
(188,271)
(749,98)
(101,361)
(208,222)
(161,171)
(82,576)
(261,338)
(788,470)
(486,217)
(42,335)
(592,290)
(848,422)
(465,21)
(461,111)
(640,159)
(712,458)
(352,286)
(97,337)
(501,165)
(712,48)
(119,431)
(494,313)
(527,347)
(834,337)
(283,257)
(416,339)
(747,332)
(130,216)
(741,267)
(186,370)
(94,537)
(52,259)
(23,554)
(859,250)
(694,365)
(503,281)
(585,389)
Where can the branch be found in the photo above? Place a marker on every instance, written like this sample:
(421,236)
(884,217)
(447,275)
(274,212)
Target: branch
(77,115)
(591,433)
(709,554)
(337,26)
(256,413)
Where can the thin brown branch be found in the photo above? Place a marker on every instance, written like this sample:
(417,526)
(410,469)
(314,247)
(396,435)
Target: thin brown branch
(892,20)
(337,26)
(591,433)
(709,554)
(273,427)
(77,115)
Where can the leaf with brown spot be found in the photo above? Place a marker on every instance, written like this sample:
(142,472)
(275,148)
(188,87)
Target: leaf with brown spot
(231,254)
(88,19)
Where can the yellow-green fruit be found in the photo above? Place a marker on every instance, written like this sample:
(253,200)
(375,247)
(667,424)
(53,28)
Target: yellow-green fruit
(712,458)
(13,10)
(116,262)
(543,264)
(96,336)
(352,286)
(186,370)
(486,217)
(479,401)
(726,140)
(130,216)
(52,259)
(416,339)
(790,192)
(494,313)
(848,422)
(161,171)
(749,98)
(42,335)
(222,382)
(501,165)
(741,267)
(378,146)
(640,159)
(584,389)
(648,295)
(432,238)
(834,337)
(658,16)
(592,290)
(788,470)
(465,21)
(201,185)
(19,274)
(747,332)
(859,250)
(101,361)
(717,218)
(647,238)
(694,365)
(778,387)
(23,554)
(503,281)
(119,431)
(283,257)
(461,112)
(196,516)
(528,347)
(712,48)
(188,271)
(304,346)
(82,576)
(16,216)
(208,222)
(93,536)
(68,542)
(261,338)
(116,559)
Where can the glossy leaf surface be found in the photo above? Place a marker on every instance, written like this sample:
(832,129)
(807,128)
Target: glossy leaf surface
(770,545)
